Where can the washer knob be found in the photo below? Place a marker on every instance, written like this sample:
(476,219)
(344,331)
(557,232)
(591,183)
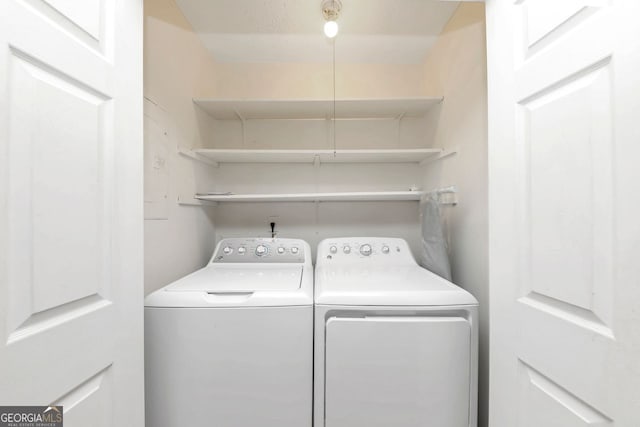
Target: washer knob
(227,250)
(385,249)
(365,249)
(242,250)
(261,250)
(346,249)
(294,250)
(333,249)
(281,250)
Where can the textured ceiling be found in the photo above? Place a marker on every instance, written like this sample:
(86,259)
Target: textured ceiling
(371,31)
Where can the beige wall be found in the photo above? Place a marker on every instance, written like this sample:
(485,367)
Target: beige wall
(176,68)
(456,68)
(309,80)
(315,81)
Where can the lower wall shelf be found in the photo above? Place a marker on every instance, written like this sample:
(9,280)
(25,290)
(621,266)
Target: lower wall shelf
(215,156)
(359,196)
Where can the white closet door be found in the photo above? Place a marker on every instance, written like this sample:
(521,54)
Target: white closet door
(397,371)
(71,208)
(564,119)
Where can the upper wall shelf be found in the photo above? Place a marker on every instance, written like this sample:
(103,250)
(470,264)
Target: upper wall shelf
(391,108)
(418,155)
(356,196)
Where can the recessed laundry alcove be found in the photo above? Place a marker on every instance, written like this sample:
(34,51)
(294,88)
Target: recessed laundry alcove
(271,124)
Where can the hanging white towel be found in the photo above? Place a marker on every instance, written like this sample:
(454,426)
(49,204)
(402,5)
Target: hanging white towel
(434,254)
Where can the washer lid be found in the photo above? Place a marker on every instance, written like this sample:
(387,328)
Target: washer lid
(229,278)
(386,286)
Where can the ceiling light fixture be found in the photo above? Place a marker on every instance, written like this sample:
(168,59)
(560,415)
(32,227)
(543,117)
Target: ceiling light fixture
(331,12)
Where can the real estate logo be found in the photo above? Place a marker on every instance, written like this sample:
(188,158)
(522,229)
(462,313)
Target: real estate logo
(30,416)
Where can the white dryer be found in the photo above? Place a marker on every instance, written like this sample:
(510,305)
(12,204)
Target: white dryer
(395,345)
(231,344)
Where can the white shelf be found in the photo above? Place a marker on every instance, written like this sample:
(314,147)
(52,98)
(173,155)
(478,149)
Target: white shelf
(323,156)
(267,109)
(361,196)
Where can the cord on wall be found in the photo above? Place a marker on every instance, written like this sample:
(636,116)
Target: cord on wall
(334,98)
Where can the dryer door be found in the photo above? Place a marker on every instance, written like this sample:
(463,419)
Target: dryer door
(397,371)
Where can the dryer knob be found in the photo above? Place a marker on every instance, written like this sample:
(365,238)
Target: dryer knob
(261,250)
(365,249)
(333,249)
(385,249)
(227,250)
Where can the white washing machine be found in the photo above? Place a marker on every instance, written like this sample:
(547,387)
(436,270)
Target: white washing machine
(231,345)
(395,345)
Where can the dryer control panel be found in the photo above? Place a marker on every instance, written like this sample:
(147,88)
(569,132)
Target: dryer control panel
(388,250)
(259,250)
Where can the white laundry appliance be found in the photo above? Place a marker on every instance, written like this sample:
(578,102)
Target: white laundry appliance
(395,345)
(231,345)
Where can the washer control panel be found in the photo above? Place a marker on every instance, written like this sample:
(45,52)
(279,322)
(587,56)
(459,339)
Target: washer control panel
(259,250)
(353,249)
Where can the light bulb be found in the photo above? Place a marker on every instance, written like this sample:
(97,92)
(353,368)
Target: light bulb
(331,29)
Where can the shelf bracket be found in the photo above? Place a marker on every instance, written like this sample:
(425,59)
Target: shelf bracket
(399,118)
(195,156)
(186,201)
(444,154)
(242,126)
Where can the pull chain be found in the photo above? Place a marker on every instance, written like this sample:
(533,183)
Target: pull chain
(334,98)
